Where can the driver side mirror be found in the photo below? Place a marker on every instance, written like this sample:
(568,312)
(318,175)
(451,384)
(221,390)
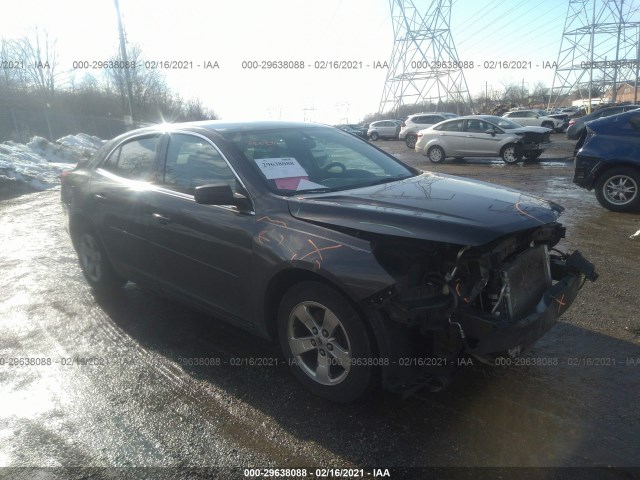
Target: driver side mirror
(491,131)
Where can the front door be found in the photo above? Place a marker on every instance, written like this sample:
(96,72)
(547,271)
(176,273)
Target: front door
(202,251)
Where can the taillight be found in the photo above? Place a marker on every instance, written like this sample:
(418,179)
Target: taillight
(403,125)
(419,134)
(64,174)
(572,121)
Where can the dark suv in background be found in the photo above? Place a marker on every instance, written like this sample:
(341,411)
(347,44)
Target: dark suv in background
(576,125)
(608,160)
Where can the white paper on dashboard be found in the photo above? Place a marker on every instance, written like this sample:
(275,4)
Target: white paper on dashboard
(284,167)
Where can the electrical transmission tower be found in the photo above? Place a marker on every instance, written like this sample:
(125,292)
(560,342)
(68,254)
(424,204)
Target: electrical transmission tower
(599,51)
(424,64)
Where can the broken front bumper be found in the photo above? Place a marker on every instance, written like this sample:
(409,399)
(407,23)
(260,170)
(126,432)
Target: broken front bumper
(486,337)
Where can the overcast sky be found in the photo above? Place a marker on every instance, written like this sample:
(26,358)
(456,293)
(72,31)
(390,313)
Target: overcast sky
(231,32)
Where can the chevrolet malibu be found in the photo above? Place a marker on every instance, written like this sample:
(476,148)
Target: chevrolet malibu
(365,270)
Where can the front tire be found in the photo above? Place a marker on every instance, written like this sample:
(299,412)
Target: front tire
(95,264)
(617,189)
(548,125)
(436,154)
(511,154)
(325,342)
(375,136)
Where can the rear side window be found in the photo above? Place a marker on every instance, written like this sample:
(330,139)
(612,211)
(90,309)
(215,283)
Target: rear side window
(452,126)
(135,159)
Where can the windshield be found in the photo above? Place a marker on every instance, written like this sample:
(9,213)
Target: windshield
(315,159)
(502,122)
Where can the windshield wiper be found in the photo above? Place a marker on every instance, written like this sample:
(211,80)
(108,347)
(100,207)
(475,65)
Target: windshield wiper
(312,190)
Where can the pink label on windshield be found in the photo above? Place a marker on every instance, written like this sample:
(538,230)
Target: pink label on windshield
(289,183)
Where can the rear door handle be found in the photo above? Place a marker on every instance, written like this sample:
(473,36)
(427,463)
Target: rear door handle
(162,219)
(100,197)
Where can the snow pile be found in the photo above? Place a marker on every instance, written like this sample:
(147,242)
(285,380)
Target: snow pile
(38,164)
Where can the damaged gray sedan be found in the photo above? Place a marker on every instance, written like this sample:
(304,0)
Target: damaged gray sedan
(366,271)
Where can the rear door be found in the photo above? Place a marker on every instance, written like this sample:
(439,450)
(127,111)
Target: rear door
(451,136)
(116,200)
(203,252)
(519,117)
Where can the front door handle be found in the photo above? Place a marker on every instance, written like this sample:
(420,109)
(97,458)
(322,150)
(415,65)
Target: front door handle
(161,219)
(100,197)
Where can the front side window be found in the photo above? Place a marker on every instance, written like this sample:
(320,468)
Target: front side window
(478,126)
(135,159)
(613,111)
(291,160)
(193,162)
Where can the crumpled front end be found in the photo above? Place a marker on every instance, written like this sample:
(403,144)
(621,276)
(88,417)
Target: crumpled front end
(535,141)
(485,302)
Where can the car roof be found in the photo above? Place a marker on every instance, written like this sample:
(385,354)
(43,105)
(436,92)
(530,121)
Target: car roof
(240,126)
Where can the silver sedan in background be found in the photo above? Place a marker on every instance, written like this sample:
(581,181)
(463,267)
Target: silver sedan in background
(481,136)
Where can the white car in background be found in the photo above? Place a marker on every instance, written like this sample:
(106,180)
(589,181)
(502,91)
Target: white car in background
(419,121)
(534,118)
(383,129)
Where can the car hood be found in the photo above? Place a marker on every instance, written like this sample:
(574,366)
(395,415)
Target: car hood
(529,130)
(435,207)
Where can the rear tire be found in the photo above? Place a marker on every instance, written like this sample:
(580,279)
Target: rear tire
(410,141)
(436,154)
(617,189)
(95,264)
(325,342)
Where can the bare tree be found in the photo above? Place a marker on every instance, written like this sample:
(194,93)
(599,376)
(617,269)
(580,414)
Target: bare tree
(194,109)
(40,59)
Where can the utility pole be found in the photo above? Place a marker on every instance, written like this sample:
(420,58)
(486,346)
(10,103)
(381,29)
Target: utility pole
(127,73)
(424,62)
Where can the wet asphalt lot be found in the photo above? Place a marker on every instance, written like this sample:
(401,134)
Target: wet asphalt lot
(87,381)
